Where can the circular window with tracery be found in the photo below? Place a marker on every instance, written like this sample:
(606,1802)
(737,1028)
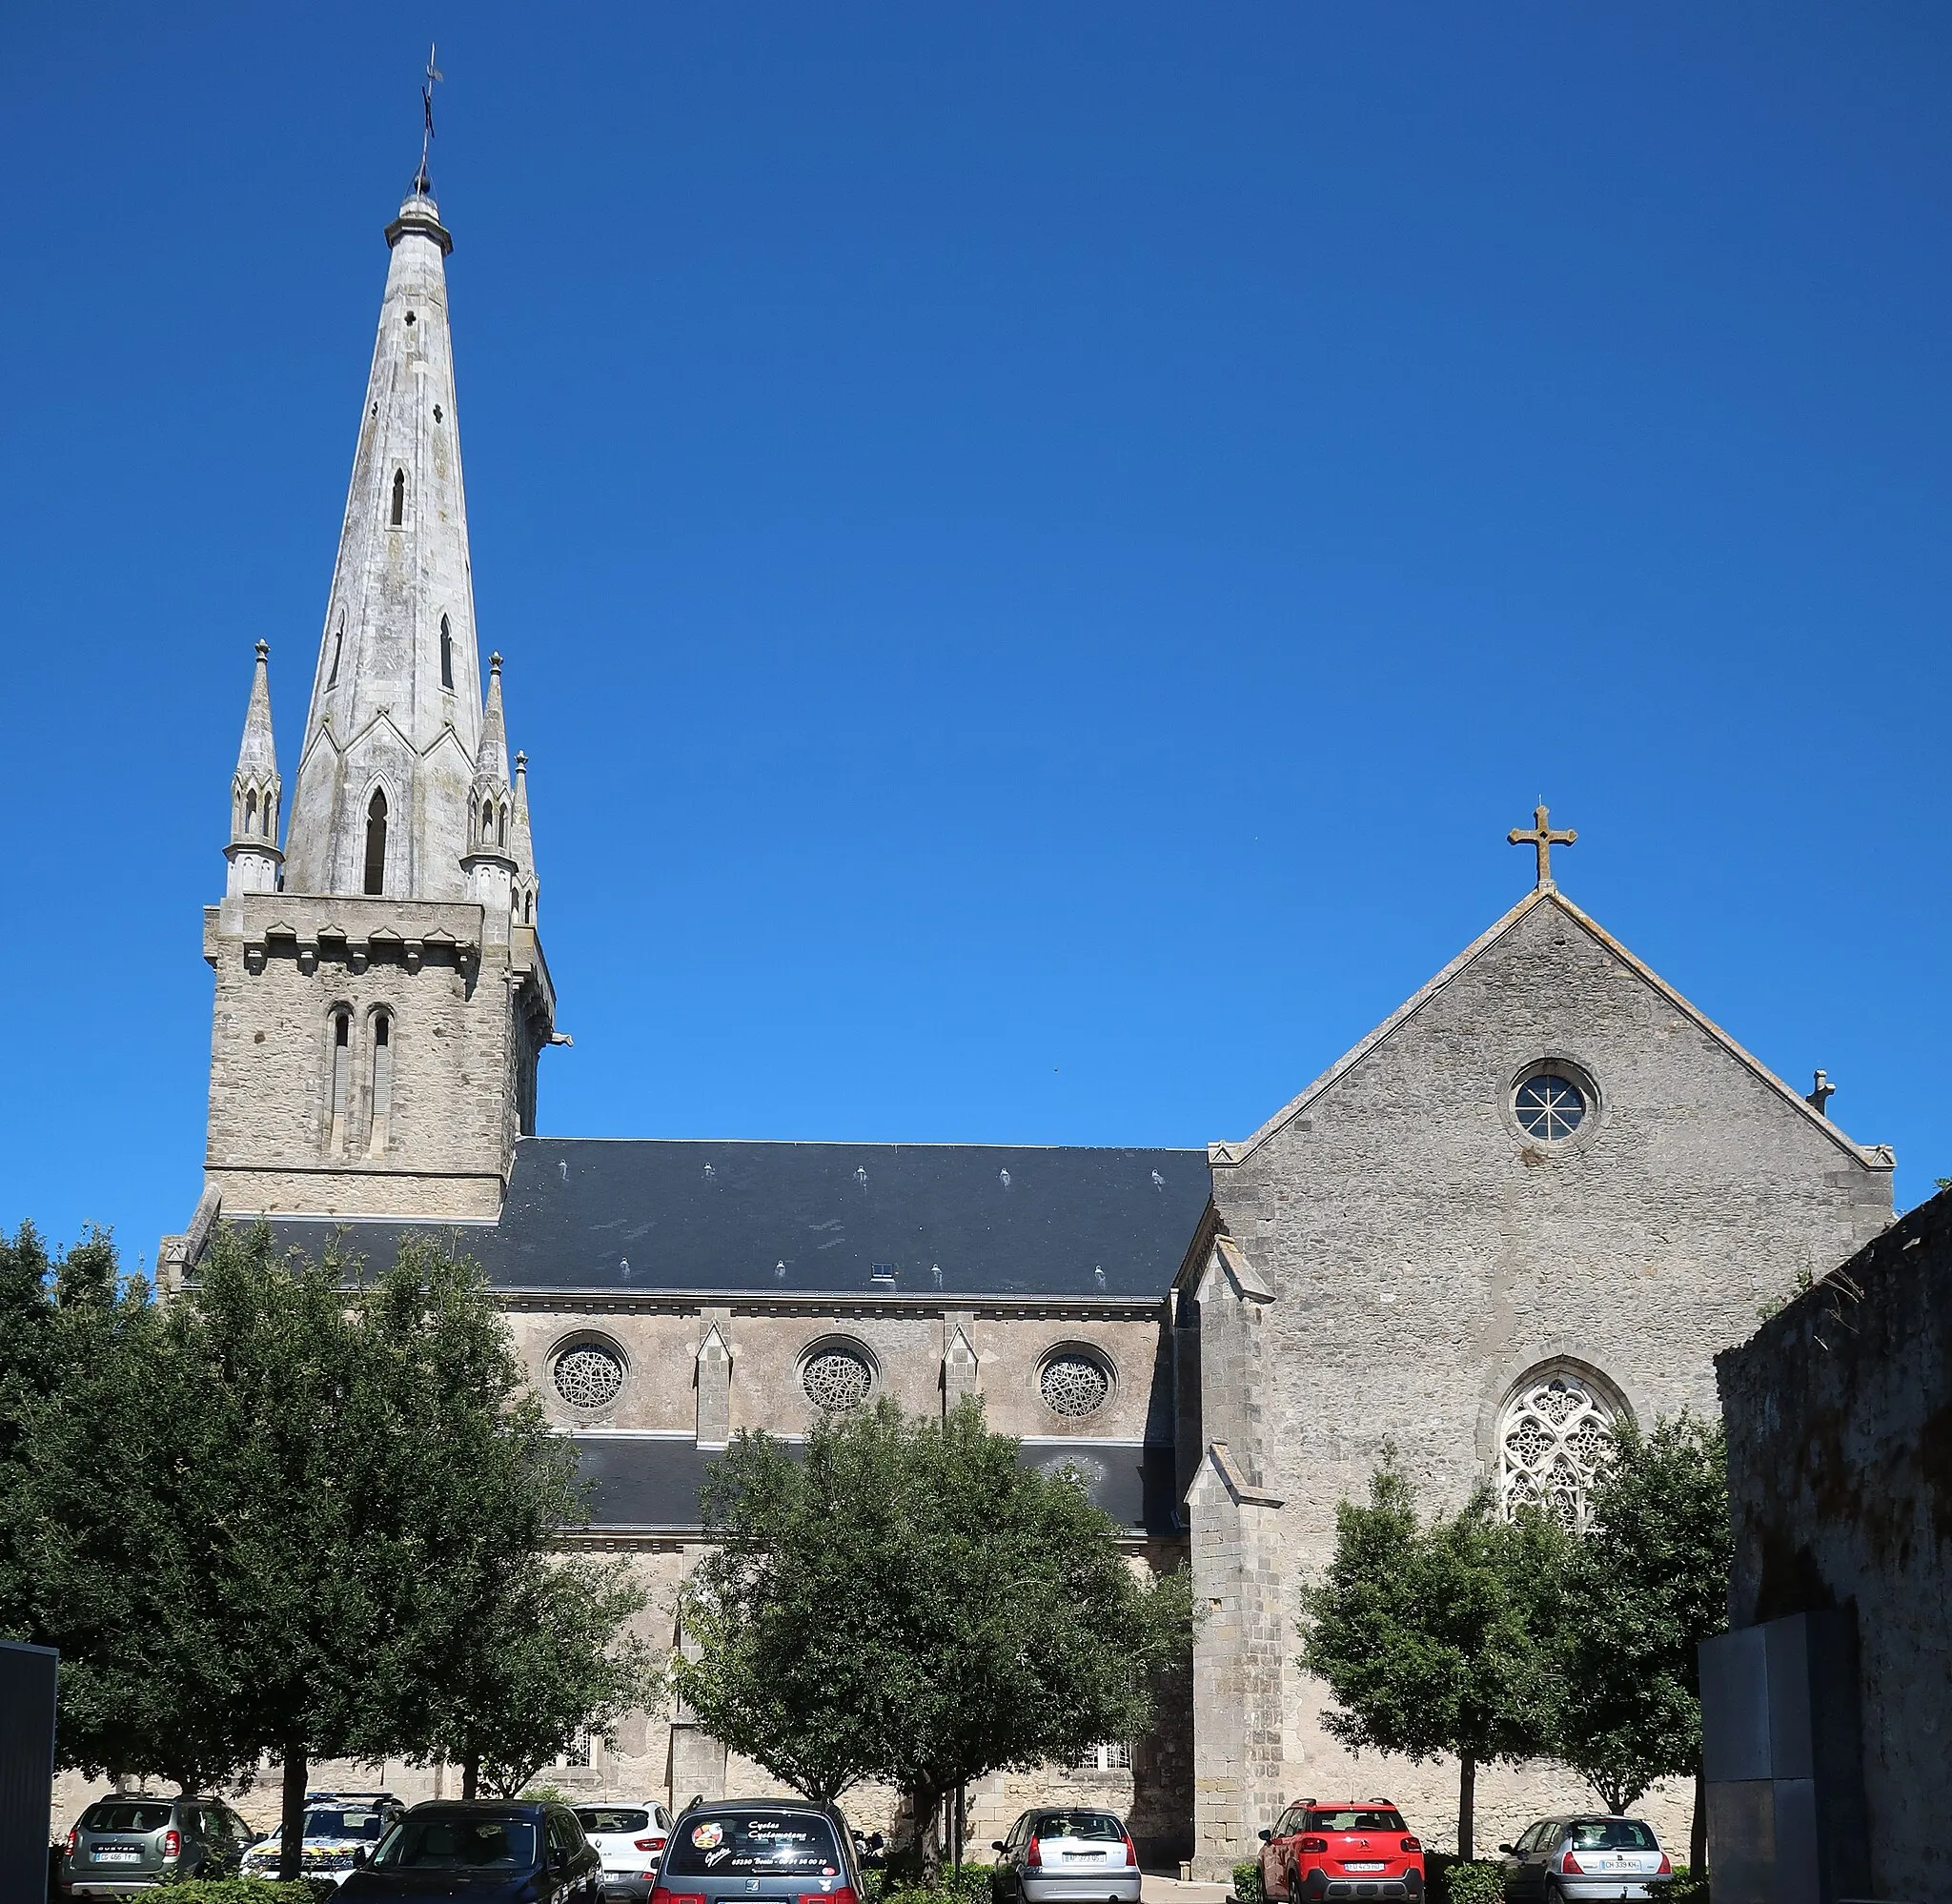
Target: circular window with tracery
(1550,1107)
(589,1375)
(1555,1437)
(1074,1385)
(837,1379)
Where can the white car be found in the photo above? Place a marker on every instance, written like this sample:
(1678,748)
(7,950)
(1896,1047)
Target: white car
(630,1839)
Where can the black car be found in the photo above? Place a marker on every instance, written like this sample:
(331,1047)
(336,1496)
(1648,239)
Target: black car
(754,1850)
(487,1852)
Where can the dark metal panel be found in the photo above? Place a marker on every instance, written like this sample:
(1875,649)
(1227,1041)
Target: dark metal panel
(26,1767)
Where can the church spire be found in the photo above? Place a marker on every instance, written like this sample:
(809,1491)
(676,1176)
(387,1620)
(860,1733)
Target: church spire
(490,860)
(395,721)
(528,889)
(256,790)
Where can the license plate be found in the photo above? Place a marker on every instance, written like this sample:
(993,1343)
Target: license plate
(117,1858)
(1084,1857)
(1367,1864)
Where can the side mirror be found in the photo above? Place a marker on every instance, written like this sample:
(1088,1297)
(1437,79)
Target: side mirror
(996,1844)
(360,1856)
(1265,1838)
(1506,1849)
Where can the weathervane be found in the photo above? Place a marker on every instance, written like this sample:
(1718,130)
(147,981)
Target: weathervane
(1542,839)
(422,183)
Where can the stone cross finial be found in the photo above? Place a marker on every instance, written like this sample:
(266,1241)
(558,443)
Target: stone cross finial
(1543,838)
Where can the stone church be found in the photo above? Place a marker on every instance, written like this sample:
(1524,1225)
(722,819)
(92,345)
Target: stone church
(1537,1198)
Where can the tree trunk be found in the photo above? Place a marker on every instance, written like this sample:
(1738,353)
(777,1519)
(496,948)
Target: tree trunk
(1697,1829)
(928,1836)
(291,1813)
(471,1776)
(962,1819)
(1466,1808)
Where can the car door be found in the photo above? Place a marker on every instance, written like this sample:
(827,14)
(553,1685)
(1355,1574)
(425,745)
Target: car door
(1009,1861)
(1534,1849)
(1274,1855)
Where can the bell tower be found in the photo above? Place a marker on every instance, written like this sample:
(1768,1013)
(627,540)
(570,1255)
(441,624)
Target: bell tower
(381,995)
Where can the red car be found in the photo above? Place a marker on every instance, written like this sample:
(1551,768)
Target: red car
(1339,1847)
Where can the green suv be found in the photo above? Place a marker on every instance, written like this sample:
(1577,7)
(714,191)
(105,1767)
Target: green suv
(125,1843)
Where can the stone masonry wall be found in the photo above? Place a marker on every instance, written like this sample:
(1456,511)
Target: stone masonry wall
(1423,1255)
(460,1041)
(1839,1413)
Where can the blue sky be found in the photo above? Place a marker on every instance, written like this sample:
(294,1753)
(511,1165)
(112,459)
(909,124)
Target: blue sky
(1039,550)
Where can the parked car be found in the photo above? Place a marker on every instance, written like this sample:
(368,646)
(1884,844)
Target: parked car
(128,1843)
(338,1825)
(630,1838)
(486,1851)
(1339,1847)
(758,1848)
(1590,1857)
(1065,1854)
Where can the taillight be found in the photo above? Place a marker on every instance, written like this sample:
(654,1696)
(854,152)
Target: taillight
(1312,1845)
(173,1844)
(1131,1851)
(841,1893)
(1033,1852)
(73,1836)
(1570,1867)
(1665,1869)
(661,1896)
(647,1844)
(1413,1844)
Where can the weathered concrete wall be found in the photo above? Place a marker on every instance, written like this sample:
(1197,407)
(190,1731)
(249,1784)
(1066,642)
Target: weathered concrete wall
(1839,1413)
(1406,1255)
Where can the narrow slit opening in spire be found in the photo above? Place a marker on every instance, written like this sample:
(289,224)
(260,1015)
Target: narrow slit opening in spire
(447,654)
(399,498)
(375,843)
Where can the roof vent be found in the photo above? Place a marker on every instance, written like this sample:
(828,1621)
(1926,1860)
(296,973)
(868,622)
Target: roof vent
(861,1175)
(1158,1181)
(1003,1176)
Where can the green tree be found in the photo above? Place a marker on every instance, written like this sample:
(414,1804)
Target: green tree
(499,1647)
(907,1601)
(1438,1639)
(99,1555)
(1644,1587)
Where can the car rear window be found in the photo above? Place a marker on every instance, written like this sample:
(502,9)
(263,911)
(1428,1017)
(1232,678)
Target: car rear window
(755,1844)
(612,1819)
(125,1817)
(1102,1825)
(1612,1835)
(1353,1818)
(343,1822)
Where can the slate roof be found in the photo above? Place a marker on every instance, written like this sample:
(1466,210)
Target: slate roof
(641,1216)
(650,1483)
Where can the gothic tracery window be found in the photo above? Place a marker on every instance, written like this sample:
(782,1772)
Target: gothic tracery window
(1553,1439)
(837,1377)
(1074,1384)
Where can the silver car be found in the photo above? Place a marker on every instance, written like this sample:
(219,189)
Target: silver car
(1065,1854)
(135,1843)
(1590,1857)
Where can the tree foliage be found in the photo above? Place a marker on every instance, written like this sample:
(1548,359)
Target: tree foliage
(1644,1587)
(294,1509)
(1438,1639)
(905,1600)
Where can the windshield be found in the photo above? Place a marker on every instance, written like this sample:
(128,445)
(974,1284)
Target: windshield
(1352,1818)
(125,1817)
(1612,1834)
(459,1843)
(1099,1825)
(612,1819)
(344,1821)
(755,1844)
